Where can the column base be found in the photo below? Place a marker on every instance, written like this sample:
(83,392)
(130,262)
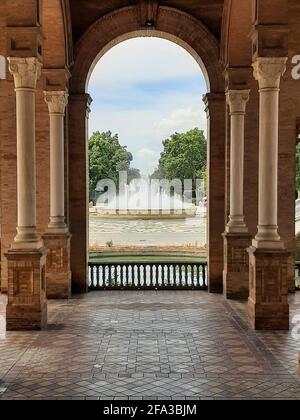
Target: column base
(27,304)
(58,269)
(268,307)
(236,265)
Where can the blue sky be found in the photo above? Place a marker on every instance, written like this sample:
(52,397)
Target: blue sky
(145,89)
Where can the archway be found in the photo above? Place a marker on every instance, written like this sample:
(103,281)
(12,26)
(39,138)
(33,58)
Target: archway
(151,220)
(110,30)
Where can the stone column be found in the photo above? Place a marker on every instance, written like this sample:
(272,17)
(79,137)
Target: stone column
(236,237)
(216,113)
(27,308)
(268,301)
(57,237)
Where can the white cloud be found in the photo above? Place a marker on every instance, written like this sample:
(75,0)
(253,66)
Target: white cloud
(184,119)
(136,60)
(143,115)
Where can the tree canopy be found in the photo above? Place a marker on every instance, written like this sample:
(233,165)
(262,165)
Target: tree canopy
(184,156)
(107,157)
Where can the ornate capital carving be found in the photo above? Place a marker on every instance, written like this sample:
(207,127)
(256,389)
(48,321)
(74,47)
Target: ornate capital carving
(26,71)
(56,101)
(237,100)
(268,71)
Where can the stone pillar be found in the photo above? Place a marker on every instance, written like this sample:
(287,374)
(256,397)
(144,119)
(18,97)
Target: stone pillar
(57,237)
(268,300)
(27,307)
(216,118)
(236,237)
(79,109)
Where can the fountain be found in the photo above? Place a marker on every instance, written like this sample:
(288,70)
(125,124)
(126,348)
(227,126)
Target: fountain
(145,198)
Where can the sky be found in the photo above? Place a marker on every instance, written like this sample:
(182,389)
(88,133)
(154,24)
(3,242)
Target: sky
(145,89)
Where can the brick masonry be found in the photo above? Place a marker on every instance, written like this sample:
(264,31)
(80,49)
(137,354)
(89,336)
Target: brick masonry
(236,266)
(268,306)
(58,268)
(27,304)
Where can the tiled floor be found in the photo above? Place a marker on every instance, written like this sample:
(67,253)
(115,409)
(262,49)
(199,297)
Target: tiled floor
(145,345)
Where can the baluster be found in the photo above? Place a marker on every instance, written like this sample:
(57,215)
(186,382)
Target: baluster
(174,273)
(157,276)
(122,275)
(169,274)
(92,276)
(204,277)
(118,280)
(103,275)
(193,275)
(186,274)
(133,272)
(198,275)
(97,276)
(151,275)
(163,275)
(138,276)
(145,276)
(180,275)
(109,276)
(126,279)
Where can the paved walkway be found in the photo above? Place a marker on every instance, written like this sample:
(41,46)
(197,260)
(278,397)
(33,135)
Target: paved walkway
(145,345)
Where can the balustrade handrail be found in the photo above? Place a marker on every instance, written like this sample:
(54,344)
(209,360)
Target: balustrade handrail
(167,275)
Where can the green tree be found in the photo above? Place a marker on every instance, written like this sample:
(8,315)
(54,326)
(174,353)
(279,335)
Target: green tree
(106,158)
(184,156)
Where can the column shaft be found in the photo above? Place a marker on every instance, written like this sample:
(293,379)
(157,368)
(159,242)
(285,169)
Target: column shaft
(57,237)
(57,102)
(268,73)
(236,237)
(57,209)
(26,73)
(237,101)
(268,306)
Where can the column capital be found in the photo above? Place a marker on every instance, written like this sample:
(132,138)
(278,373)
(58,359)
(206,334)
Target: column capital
(237,100)
(56,101)
(269,70)
(25,71)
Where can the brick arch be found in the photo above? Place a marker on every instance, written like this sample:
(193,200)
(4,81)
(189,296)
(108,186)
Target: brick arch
(236,43)
(123,24)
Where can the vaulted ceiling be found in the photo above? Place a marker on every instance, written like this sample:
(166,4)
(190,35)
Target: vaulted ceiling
(86,12)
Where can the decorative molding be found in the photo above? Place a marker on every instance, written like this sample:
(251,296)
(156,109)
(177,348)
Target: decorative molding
(269,70)
(26,71)
(237,100)
(56,101)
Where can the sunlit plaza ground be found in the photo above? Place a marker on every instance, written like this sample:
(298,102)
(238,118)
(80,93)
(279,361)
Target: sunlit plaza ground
(149,345)
(187,231)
